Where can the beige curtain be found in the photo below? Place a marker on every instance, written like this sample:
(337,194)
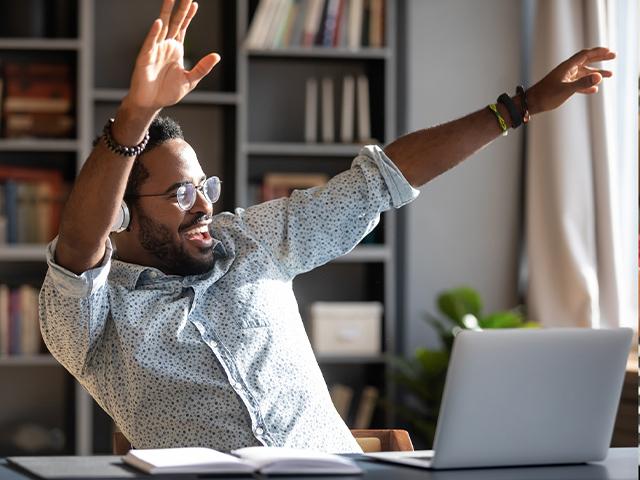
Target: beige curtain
(582,173)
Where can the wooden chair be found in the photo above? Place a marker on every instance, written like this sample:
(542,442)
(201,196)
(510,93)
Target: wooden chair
(369,441)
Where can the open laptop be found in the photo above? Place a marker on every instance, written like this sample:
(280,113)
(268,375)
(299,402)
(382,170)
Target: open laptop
(527,397)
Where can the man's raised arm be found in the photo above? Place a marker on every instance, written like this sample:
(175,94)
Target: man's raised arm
(425,154)
(159,80)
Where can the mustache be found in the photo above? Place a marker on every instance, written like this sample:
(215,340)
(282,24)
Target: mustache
(201,217)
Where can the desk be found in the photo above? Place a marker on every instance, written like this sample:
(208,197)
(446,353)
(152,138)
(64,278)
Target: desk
(621,464)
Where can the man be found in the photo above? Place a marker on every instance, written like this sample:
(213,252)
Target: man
(192,335)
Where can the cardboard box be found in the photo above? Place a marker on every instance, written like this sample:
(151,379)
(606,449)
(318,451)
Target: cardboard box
(346,328)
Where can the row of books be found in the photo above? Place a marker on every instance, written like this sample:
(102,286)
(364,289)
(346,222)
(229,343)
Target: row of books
(355,115)
(37,100)
(358,413)
(31,201)
(19,326)
(348,24)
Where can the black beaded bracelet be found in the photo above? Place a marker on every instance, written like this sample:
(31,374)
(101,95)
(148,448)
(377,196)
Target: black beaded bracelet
(516,119)
(523,101)
(121,149)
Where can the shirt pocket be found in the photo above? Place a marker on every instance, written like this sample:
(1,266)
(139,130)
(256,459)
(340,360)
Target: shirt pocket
(265,303)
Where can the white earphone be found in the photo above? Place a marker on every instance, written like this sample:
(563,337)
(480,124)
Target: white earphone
(123,218)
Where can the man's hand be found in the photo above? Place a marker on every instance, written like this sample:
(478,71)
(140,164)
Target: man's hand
(159,78)
(574,75)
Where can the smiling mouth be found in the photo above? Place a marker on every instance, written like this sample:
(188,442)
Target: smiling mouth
(199,235)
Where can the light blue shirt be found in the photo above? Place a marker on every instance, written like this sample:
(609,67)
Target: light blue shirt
(220,360)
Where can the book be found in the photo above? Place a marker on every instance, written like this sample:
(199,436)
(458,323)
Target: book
(49,195)
(296,38)
(30,339)
(355,23)
(376,24)
(311,111)
(364,116)
(265,460)
(330,23)
(312,23)
(277,185)
(341,396)
(287,34)
(328,124)
(366,407)
(258,24)
(4,320)
(347,125)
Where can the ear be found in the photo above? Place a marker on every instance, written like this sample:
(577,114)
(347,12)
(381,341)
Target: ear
(123,219)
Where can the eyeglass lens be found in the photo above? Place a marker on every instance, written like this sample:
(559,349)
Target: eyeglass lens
(186,193)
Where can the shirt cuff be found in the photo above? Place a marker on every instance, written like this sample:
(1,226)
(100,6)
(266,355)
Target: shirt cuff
(400,189)
(83,285)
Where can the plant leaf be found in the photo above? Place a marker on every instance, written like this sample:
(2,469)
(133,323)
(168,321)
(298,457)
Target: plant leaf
(433,362)
(508,319)
(458,302)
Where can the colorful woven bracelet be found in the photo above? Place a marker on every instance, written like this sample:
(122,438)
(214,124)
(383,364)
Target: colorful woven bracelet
(503,125)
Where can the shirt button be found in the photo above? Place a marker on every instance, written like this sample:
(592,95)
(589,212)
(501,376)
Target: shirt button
(259,431)
(214,344)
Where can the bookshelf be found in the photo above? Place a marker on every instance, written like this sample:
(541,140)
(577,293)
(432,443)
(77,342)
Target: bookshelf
(273,140)
(36,34)
(243,121)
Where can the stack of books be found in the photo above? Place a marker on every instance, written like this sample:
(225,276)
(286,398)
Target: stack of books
(38,101)
(19,327)
(349,24)
(31,201)
(355,114)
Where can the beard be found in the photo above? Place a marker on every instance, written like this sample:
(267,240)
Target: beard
(173,257)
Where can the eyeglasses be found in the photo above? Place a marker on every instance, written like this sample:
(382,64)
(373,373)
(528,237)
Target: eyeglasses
(185,193)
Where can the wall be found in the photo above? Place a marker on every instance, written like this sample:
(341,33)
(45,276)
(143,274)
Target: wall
(464,228)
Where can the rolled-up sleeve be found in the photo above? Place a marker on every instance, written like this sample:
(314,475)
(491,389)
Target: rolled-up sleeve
(73,310)
(316,225)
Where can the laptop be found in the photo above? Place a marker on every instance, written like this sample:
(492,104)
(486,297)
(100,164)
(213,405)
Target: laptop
(526,397)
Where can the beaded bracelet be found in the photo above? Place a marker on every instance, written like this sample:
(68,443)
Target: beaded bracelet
(121,149)
(503,125)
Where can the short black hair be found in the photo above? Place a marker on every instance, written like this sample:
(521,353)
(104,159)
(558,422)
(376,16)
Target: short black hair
(161,130)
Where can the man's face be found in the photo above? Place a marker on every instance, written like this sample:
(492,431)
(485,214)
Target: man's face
(162,234)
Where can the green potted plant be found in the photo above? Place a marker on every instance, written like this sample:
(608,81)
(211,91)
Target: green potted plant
(423,375)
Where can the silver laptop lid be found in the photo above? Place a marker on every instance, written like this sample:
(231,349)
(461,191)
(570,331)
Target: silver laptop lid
(529,396)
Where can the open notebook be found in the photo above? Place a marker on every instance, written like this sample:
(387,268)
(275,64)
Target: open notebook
(266,460)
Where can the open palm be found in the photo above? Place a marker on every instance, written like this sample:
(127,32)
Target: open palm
(574,75)
(159,78)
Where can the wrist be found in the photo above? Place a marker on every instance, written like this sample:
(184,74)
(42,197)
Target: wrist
(532,101)
(132,123)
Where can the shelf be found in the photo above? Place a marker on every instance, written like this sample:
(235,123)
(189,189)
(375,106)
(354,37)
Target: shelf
(200,98)
(304,149)
(344,359)
(40,44)
(366,253)
(22,253)
(28,360)
(319,52)
(38,145)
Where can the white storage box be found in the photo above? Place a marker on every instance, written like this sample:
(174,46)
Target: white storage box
(346,328)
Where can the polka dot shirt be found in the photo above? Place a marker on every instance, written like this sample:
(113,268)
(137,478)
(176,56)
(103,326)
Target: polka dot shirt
(220,360)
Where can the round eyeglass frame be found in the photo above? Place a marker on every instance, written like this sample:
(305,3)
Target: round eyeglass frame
(186,193)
